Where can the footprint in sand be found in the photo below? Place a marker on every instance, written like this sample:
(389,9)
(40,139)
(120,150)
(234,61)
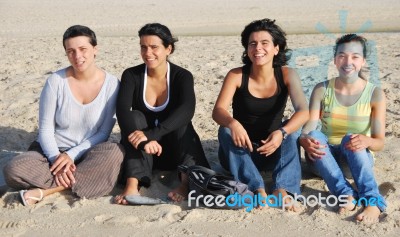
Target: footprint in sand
(386,188)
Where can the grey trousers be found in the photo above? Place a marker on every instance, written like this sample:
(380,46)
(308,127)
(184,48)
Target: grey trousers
(96,171)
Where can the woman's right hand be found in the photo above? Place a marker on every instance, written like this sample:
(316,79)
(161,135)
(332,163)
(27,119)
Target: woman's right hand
(312,147)
(136,138)
(239,136)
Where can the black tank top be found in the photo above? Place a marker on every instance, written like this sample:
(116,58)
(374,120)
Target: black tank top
(259,116)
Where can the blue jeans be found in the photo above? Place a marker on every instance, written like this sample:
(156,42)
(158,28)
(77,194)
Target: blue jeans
(246,166)
(360,164)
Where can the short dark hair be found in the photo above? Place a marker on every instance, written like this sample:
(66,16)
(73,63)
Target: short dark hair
(79,30)
(161,31)
(351,38)
(278,38)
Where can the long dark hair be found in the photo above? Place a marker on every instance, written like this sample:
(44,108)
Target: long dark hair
(161,31)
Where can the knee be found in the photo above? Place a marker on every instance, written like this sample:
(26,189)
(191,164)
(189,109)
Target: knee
(111,151)
(137,122)
(345,139)
(11,170)
(117,152)
(318,135)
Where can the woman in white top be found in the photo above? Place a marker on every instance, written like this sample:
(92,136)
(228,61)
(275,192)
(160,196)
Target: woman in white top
(76,116)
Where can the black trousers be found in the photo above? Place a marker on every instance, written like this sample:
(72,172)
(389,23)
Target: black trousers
(181,146)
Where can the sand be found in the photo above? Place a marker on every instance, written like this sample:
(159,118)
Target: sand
(209,46)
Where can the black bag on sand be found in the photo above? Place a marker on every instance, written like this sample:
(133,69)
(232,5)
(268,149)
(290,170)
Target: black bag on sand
(211,189)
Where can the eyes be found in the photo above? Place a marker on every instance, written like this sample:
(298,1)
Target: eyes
(153,47)
(71,52)
(354,56)
(253,44)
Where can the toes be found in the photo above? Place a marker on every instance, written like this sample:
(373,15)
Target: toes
(176,197)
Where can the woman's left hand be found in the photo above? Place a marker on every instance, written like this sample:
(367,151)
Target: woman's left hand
(136,138)
(273,141)
(63,163)
(153,148)
(357,142)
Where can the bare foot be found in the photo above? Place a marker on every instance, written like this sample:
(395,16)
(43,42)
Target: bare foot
(261,193)
(369,215)
(289,203)
(350,206)
(181,192)
(131,188)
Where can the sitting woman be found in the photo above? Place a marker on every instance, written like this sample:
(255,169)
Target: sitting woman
(352,113)
(76,116)
(255,138)
(156,103)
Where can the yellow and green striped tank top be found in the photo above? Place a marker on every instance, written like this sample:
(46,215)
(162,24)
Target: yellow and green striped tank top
(338,120)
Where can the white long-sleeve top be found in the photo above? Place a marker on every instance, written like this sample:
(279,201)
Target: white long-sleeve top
(66,124)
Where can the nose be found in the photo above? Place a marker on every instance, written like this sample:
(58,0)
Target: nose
(258,45)
(146,51)
(78,54)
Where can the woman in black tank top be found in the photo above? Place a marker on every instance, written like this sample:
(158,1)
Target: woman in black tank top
(254,137)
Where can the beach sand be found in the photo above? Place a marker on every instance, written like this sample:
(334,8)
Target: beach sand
(209,46)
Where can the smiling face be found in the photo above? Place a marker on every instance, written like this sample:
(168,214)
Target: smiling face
(349,59)
(80,52)
(261,49)
(153,52)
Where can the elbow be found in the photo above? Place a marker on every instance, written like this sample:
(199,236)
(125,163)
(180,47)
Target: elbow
(214,114)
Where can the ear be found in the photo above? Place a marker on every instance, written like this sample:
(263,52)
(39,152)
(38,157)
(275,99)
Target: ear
(276,50)
(169,49)
(364,62)
(95,50)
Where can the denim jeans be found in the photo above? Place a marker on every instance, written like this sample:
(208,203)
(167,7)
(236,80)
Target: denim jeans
(361,167)
(246,166)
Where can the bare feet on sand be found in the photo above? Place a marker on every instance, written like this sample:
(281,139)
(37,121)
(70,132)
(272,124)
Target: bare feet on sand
(261,192)
(290,203)
(350,206)
(181,192)
(131,188)
(369,215)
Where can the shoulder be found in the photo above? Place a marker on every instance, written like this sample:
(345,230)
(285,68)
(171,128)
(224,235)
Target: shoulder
(289,74)
(112,80)
(176,70)
(131,73)
(319,90)
(135,70)
(235,74)
(378,95)
(57,78)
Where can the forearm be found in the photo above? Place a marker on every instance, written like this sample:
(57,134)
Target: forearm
(298,119)
(223,117)
(376,144)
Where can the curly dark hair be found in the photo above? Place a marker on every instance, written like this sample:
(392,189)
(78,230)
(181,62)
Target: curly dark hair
(278,38)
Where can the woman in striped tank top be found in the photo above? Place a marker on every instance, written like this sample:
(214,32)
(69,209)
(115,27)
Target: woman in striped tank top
(352,115)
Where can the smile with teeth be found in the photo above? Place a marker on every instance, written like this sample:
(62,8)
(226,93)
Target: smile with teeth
(347,69)
(259,55)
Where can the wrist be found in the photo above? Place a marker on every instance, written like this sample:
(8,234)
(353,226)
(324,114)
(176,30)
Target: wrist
(284,133)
